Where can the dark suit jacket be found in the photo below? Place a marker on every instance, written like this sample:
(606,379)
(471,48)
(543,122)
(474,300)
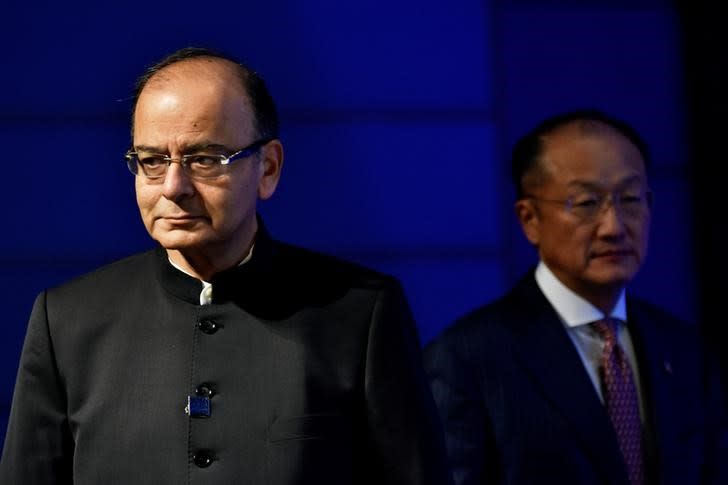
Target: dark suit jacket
(519,408)
(314,365)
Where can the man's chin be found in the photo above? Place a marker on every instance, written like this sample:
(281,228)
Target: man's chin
(180,240)
(614,278)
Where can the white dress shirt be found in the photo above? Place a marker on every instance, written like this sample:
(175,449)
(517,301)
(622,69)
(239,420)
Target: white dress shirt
(206,293)
(576,314)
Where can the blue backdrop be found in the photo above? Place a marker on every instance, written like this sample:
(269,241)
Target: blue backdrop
(397,121)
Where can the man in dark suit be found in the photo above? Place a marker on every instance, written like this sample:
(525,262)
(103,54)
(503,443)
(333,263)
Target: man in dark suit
(566,379)
(223,356)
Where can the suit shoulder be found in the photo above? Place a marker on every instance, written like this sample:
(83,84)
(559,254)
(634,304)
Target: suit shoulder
(488,321)
(301,262)
(656,323)
(668,322)
(120,272)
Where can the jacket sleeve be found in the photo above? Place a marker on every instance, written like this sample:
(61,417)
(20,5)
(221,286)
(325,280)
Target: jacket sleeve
(716,462)
(405,432)
(38,445)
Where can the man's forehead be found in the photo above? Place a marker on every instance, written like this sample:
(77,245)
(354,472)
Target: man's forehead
(193,86)
(591,146)
(574,133)
(208,69)
(197,96)
(577,129)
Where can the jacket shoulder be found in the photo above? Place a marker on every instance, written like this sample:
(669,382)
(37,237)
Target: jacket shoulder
(299,262)
(668,324)
(123,272)
(497,323)
(489,322)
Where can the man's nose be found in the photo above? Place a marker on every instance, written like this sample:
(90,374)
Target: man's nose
(611,219)
(177,184)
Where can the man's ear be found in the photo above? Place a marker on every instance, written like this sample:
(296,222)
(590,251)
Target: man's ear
(272,162)
(528,217)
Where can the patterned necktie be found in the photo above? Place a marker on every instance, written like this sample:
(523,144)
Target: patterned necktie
(620,398)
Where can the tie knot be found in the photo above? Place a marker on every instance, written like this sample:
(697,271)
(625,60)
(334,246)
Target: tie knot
(606,328)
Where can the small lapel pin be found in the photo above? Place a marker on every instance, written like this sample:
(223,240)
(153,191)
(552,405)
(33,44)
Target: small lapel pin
(198,407)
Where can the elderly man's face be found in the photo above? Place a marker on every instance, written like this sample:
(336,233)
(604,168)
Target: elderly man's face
(193,106)
(597,256)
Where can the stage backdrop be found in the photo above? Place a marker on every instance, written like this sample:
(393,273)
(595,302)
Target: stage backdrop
(397,116)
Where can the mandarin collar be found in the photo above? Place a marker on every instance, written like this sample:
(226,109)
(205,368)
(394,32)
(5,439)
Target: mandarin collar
(227,284)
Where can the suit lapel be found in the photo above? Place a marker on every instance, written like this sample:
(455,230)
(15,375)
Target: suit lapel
(549,356)
(655,360)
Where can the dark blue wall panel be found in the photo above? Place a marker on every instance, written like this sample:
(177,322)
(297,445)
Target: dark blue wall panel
(397,118)
(385,185)
(626,61)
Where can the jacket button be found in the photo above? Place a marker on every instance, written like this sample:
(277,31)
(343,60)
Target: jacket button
(208,326)
(205,390)
(202,459)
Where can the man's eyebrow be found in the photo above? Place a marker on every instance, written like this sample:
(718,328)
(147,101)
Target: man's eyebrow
(194,148)
(147,148)
(589,185)
(201,147)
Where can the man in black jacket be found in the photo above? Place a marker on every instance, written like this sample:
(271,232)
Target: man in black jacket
(223,356)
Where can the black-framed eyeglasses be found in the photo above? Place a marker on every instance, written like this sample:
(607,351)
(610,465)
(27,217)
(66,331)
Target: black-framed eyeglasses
(587,206)
(202,166)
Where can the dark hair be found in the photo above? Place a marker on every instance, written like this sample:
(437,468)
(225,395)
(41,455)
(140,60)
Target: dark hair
(264,109)
(528,149)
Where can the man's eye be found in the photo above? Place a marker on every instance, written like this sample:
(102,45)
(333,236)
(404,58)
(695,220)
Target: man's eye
(630,199)
(203,161)
(152,162)
(585,201)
